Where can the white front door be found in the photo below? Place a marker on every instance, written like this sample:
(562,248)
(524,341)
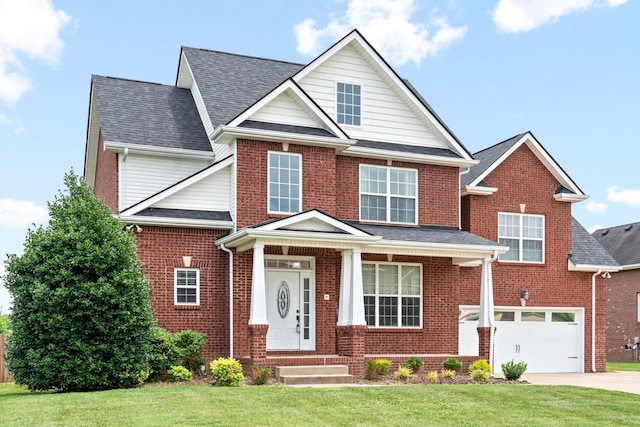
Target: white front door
(290,310)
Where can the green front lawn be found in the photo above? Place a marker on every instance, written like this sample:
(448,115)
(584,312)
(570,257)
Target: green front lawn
(441,405)
(623,366)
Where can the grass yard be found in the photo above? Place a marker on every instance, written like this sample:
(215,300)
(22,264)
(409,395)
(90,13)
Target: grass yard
(623,366)
(441,405)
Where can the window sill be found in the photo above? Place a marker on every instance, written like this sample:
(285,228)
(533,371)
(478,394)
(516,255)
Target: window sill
(393,329)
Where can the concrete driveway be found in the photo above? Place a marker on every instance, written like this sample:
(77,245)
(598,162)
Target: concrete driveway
(628,382)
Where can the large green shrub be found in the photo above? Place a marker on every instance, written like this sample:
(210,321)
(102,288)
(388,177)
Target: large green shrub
(190,345)
(227,371)
(81,315)
(512,370)
(163,354)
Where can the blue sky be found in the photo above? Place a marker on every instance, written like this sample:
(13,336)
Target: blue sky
(567,71)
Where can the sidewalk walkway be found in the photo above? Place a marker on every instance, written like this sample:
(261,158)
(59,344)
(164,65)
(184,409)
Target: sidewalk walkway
(628,382)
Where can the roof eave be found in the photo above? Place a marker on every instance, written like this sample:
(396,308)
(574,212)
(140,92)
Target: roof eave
(226,134)
(570,197)
(152,150)
(589,268)
(373,153)
(477,190)
(174,222)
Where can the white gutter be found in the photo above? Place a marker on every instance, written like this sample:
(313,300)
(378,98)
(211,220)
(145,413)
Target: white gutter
(230,297)
(593,320)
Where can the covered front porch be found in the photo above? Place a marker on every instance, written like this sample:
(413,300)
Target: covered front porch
(323,291)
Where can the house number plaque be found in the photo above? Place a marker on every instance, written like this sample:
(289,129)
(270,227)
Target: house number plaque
(283,300)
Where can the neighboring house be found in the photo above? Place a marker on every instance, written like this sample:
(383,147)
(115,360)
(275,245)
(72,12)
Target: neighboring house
(623,290)
(313,214)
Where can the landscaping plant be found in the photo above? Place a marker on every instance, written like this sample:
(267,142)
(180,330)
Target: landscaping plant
(432,376)
(179,373)
(81,314)
(403,373)
(480,370)
(414,363)
(452,363)
(376,368)
(512,370)
(190,345)
(227,371)
(259,375)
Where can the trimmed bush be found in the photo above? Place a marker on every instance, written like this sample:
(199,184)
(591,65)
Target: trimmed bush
(376,368)
(452,363)
(403,373)
(512,370)
(190,345)
(226,371)
(481,364)
(179,373)
(413,363)
(164,354)
(480,375)
(448,374)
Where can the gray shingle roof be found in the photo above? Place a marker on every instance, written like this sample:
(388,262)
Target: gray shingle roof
(279,127)
(488,157)
(404,148)
(423,234)
(230,83)
(186,214)
(135,112)
(622,242)
(586,250)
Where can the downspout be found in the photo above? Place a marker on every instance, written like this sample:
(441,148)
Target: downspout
(460,196)
(230,297)
(593,320)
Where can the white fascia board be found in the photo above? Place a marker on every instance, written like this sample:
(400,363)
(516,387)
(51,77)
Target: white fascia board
(210,170)
(477,190)
(174,222)
(570,198)
(244,239)
(152,150)
(629,267)
(354,36)
(373,153)
(313,214)
(471,252)
(227,134)
(290,86)
(593,268)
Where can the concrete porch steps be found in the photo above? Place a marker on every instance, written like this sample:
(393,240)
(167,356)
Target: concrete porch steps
(313,374)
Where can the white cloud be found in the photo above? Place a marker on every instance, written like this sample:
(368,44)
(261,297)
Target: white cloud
(387,26)
(626,196)
(514,16)
(21,213)
(27,27)
(597,208)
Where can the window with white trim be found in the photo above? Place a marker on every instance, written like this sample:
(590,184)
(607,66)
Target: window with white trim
(348,101)
(285,182)
(187,286)
(524,234)
(392,294)
(388,194)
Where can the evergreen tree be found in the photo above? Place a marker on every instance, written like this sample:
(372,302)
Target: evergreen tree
(81,315)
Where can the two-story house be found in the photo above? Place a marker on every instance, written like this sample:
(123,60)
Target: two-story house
(314,214)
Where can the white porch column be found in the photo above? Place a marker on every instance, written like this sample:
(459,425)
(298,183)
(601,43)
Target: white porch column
(344,303)
(258,314)
(357,291)
(486,296)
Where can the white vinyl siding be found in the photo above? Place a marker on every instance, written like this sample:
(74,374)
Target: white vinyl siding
(285,110)
(210,193)
(524,234)
(385,117)
(144,176)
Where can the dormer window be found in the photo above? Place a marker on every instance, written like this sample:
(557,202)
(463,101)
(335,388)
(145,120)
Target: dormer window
(348,104)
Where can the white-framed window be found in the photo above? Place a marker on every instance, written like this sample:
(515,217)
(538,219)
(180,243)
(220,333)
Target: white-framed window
(285,182)
(388,194)
(524,234)
(392,294)
(186,286)
(348,103)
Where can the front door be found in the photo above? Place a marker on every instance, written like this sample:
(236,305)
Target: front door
(290,311)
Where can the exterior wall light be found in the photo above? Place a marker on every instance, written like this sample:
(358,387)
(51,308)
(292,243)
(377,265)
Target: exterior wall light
(524,297)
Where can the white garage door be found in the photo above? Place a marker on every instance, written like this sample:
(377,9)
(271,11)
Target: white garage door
(547,339)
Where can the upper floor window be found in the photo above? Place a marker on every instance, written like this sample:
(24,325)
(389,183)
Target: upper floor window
(524,234)
(285,182)
(187,286)
(388,194)
(348,104)
(392,294)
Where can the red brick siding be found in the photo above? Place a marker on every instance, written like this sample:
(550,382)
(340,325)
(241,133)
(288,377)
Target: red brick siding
(106,179)
(318,179)
(622,313)
(161,249)
(437,190)
(523,179)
